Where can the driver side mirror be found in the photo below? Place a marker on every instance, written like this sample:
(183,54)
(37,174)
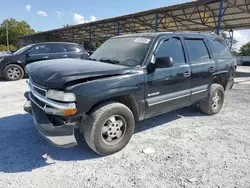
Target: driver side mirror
(160,62)
(28,54)
(164,62)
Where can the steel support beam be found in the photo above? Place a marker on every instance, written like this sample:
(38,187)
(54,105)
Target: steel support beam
(90,35)
(219,17)
(118,28)
(231,34)
(156,21)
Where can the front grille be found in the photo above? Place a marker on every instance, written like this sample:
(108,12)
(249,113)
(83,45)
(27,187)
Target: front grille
(37,102)
(41,92)
(37,88)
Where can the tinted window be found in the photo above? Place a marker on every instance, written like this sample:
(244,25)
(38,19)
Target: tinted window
(173,48)
(197,51)
(73,48)
(39,49)
(219,50)
(57,48)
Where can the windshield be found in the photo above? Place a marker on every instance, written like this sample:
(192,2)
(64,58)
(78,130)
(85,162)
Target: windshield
(20,51)
(127,51)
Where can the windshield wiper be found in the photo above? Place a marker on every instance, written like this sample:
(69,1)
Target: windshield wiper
(110,61)
(92,59)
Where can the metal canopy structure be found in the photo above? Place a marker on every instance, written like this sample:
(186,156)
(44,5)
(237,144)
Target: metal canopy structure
(200,15)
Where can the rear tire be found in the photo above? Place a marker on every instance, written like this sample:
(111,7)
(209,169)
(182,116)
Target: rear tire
(214,101)
(109,128)
(13,72)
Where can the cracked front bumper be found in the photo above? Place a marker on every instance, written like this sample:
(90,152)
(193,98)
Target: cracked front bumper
(59,135)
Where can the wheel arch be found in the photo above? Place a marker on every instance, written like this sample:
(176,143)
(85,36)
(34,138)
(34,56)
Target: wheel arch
(222,78)
(14,63)
(128,100)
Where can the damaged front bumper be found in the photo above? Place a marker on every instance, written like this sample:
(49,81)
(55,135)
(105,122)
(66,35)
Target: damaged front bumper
(60,135)
(48,118)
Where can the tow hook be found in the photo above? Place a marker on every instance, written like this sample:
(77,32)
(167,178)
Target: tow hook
(27,107)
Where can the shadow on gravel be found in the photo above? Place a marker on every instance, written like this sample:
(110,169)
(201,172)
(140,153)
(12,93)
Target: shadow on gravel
(242,74)
(163,119)
(23,149)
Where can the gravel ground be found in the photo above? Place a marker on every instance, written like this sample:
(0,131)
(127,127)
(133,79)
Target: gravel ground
(186,149)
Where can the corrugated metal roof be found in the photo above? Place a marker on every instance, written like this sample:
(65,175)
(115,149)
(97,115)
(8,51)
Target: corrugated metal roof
(201,15)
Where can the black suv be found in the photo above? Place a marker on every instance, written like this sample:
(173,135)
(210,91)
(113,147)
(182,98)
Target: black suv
(128,79)
(12,66)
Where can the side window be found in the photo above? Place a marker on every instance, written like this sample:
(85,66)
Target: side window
(197,51)
(173,48)
(73,48)
(219,50)
(39,49)
(57,48)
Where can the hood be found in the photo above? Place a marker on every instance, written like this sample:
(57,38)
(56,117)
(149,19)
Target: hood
(4,55)
(12,57)
(56,73)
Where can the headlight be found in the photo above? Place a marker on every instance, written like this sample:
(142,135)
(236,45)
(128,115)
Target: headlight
(61,96)
(1,59)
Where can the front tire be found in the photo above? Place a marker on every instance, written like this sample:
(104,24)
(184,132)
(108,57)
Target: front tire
(214,101)
(13,72)
(109,128)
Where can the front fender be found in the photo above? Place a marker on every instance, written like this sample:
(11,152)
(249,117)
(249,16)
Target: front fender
(90,93)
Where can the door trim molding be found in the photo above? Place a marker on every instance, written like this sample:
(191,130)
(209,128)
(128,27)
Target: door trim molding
(168,97)
(199,89)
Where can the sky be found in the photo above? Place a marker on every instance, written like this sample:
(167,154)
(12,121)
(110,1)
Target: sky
(51,14)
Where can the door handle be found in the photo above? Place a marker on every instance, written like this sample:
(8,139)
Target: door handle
(45,57)
(186,73)
(65,56)
(211,69)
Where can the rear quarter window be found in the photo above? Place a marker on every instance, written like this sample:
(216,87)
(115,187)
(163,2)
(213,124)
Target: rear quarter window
(73,48)
(219,50)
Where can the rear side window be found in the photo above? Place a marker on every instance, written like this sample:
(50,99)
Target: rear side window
(173,48)
(57,48)
(73,48)
(198,52)
(219,50)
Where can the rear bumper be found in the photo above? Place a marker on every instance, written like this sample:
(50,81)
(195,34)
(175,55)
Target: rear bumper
(60,135)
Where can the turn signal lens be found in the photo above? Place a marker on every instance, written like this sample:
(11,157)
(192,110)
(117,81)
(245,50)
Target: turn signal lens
(69,112)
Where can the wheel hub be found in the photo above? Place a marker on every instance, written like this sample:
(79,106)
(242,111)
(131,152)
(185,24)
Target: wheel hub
(216,100)
(113,129)
(14,72)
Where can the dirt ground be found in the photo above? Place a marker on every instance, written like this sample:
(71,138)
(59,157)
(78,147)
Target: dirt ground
(190,149)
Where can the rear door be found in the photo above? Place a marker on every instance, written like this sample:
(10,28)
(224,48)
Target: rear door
(168,88)
(224,59)
(57,51)
(37,53)
(202,67)
(225,62)
(75,51)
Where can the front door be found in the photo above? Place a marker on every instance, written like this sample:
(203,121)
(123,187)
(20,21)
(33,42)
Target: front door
(37,53)
(168,88)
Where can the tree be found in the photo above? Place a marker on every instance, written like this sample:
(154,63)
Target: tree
(235,53)
(66,25)
(5,48)
(97,44)
(245,50)
(16,29)
(228,41)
